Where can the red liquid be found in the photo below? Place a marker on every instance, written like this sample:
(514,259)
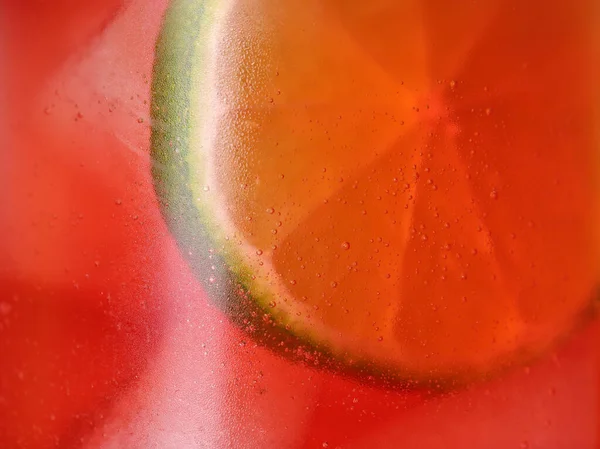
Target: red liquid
(107,338)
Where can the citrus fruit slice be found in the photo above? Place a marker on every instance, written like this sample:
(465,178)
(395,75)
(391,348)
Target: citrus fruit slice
(406,187)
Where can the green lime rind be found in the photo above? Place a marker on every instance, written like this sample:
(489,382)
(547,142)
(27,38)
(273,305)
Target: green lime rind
(178,178)
(179,110)
(182,51)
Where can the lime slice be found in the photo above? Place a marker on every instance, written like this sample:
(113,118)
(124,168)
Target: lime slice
(366,185)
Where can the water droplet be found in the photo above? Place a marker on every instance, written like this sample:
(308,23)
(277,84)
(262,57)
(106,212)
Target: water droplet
(270,210)
(325,444)
(452,84)
(334,284)
(293,281)
(259,252)
(206,188)
(272,304)
(346,245)
(140,120)
(118,201)
(494,194)
(380,338)
(273,231)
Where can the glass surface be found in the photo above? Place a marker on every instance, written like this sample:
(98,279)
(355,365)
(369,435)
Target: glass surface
(203,204)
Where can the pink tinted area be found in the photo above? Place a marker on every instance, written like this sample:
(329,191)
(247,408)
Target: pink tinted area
(108,341)
(81,237)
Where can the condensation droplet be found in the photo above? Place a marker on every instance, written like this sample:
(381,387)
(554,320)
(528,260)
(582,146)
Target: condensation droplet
(346,245)
(259,252)
(270,210)
(206,188)
(494,195)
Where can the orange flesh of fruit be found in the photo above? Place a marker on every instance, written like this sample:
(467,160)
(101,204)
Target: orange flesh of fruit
(420,173)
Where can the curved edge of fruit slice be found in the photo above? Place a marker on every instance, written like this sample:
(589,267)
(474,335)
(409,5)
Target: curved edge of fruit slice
(183,52)
(183,112)
(179,58)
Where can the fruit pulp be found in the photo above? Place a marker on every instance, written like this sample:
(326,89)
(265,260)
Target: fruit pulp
(397,199)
